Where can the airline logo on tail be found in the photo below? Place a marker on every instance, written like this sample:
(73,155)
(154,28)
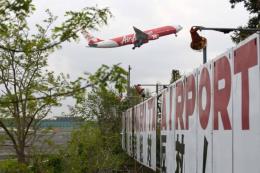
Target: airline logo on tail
(91,39)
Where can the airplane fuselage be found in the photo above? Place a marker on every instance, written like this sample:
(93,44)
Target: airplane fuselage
(153,34)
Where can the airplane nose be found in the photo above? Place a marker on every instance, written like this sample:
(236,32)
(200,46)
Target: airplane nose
(178,28)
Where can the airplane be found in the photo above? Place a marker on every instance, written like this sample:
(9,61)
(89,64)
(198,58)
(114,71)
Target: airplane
(137,39)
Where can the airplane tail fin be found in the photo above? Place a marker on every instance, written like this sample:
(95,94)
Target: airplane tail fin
(91,39)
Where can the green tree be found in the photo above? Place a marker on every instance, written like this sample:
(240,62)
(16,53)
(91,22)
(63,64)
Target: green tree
(12,166)
(28,89)
(104,103)
(91,150)
(106,78)
(97,145)
(253,6)
(175,75)
(135,97)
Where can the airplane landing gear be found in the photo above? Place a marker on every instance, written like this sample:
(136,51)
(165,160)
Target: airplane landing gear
(137,44)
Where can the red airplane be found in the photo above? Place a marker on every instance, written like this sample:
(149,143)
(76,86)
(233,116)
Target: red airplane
(138,39)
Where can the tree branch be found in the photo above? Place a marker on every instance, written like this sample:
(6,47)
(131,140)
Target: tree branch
(32,118)
(61,94)
(9,134)
(38,49)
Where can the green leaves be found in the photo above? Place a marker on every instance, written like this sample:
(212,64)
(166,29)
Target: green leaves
(28,89)
(13,23)
(12,166)
(253,6)
(88,18)
(3,29)
(11,9)
(90,150)
(110,77)
(104,102)
(79,93)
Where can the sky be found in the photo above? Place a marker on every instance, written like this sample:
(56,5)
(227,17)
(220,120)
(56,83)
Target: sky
(153,62)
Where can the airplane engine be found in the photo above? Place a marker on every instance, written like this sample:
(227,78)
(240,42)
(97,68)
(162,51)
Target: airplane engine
(153,36)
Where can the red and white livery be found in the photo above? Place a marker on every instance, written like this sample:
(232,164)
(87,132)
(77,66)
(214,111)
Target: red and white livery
(137,39)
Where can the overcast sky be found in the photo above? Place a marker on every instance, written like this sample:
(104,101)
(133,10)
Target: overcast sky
(154,61)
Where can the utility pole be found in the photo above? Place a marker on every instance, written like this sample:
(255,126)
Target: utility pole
(205,55)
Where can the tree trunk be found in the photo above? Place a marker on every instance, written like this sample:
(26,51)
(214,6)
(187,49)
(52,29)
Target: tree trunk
(21,157)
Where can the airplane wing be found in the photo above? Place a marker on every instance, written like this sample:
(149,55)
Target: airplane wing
(140,35)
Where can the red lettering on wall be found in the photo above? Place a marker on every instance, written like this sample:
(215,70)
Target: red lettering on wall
(170,114)
(136,118)
(142,117)
(154,113)
(179,105)
(204,83)
(128,121)
(135,125)
(190,102)
(150,114)
(131,119)
(222,73)
(245,57)
(163,122)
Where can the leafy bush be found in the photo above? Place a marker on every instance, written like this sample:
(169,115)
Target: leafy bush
(90,151)
(12,166)
(48,163)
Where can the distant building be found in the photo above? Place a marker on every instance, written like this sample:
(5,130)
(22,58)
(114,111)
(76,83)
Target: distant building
(62,123)
(59,134)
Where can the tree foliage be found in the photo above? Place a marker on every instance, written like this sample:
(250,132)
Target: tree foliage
(28,89)
(175,75)
(104,103)
(90,150)
(12,166)
(253,6)
(97,143)
(110,77)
